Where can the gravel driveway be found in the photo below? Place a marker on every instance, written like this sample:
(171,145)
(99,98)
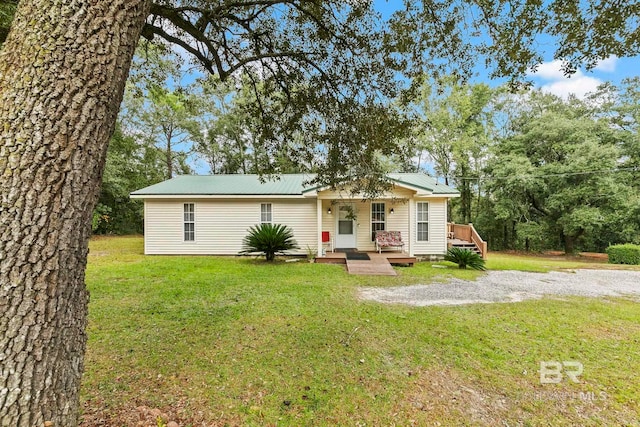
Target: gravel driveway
(512,286)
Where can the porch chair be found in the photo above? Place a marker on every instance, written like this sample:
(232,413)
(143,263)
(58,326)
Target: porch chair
(327,240)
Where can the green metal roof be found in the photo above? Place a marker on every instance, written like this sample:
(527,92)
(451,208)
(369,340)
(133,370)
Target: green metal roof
(287,184)
(290,184)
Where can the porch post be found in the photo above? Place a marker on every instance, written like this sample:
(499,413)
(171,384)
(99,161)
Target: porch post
(446,227)
(411,225)
(319,226)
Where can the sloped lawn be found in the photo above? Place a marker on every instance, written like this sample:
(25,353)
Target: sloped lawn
(236,341)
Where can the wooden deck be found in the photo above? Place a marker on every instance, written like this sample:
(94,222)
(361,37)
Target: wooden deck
(378,264)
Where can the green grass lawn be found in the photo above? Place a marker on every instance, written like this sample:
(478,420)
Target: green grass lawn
(229,341)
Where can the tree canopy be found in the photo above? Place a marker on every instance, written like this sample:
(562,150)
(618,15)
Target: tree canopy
(336,62)
(535,171)
(331,57)
(557,175)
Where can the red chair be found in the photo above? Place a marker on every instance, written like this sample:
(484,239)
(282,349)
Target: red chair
(327,240)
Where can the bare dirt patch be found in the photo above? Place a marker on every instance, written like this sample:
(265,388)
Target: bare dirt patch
(445,396)
(179,414)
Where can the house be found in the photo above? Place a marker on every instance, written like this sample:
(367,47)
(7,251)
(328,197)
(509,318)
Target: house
(211,214)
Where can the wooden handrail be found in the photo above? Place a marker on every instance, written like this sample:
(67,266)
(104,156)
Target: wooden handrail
(468,233)
(481,244)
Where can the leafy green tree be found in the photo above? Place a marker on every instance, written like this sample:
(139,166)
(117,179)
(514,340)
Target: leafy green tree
(167,119)
(558,170)
(226,141)
(7,10)
(620,106)
(129,166)
(231,140)
(453,132)
(454,35)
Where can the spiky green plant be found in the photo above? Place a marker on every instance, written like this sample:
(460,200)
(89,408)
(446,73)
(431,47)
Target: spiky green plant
(465,258)
(269,239)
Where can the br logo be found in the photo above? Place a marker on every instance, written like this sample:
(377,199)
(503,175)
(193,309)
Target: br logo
(552,372)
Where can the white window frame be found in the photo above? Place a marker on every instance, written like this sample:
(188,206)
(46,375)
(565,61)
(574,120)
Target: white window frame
(189,217)
(384,218)
(420,220)
(266,213)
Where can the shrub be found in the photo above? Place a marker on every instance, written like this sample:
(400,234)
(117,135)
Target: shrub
(269,239)
(624,254)
(465,258)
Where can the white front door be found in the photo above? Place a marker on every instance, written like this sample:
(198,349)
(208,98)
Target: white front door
(345,227)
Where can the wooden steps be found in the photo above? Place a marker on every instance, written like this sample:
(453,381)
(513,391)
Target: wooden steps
(462,244)
(331,260)
(465,236)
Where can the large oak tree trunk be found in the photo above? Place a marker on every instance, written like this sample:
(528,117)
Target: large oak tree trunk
(62,75)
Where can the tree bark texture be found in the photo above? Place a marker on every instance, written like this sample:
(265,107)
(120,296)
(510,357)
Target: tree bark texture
(62,74)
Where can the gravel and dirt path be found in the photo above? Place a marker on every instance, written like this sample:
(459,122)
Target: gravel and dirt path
(512,286)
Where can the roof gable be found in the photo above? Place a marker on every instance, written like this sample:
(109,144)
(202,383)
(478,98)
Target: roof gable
(422,183)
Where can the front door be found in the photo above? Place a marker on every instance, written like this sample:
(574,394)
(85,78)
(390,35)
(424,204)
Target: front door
(346,227)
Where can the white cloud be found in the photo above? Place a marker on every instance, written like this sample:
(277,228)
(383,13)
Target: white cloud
(576,85)
(549,70)
(555,82)
(607,65)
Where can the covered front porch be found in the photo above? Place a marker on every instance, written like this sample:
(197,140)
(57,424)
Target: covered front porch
(352,224)
(412,212)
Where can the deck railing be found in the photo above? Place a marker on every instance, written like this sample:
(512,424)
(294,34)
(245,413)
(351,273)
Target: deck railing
(468,233)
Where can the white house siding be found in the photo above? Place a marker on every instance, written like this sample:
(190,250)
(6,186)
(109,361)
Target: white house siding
(363,226)
(328,221)
(399,220)
(437,244)
(221,224)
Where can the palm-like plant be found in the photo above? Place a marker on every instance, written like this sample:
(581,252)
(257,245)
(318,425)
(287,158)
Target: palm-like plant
(465,258)
(269,239)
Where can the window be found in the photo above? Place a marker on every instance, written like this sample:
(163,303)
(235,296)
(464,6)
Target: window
(377,219)
(422,220)
(345,220)
(189,222)
(265,213)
